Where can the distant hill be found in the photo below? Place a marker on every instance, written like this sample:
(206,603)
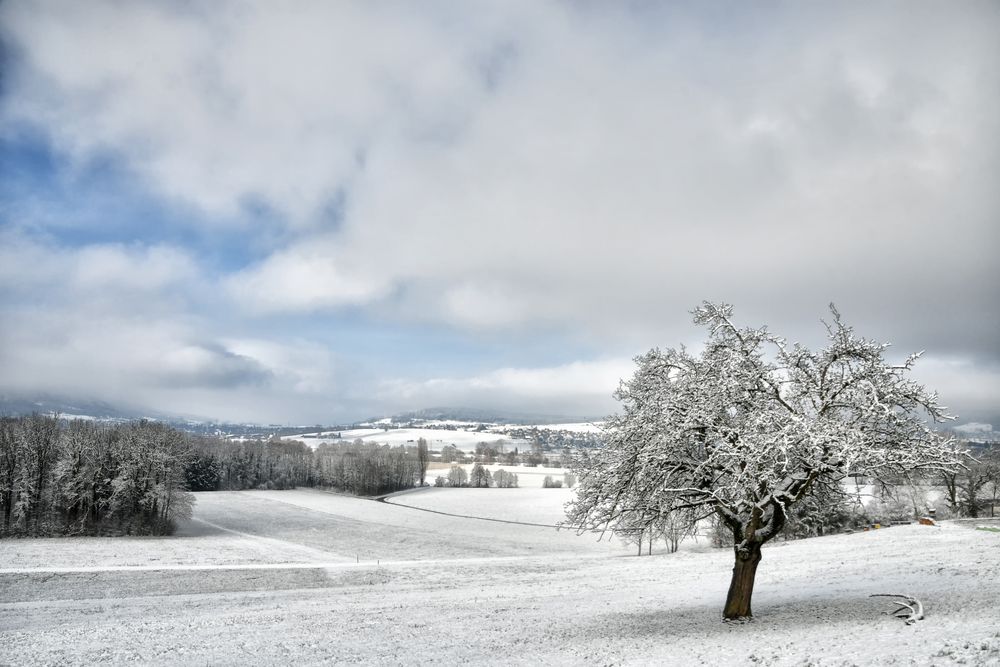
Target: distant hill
(79,408)
(75,407)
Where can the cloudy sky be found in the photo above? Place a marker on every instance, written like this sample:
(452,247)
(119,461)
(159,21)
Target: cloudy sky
(303,212)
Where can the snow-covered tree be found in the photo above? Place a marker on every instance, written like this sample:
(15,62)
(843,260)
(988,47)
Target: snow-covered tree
(59,478)
(992,491)
(504,479)
(480,477)
(423,458)
(747,427)
(457,476)
(972,489)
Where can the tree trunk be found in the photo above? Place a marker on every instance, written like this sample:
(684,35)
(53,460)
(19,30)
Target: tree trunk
(741,586)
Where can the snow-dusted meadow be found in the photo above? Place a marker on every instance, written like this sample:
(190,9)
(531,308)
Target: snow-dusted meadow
(465,440)
(462,435)
(312,577)
(532,504)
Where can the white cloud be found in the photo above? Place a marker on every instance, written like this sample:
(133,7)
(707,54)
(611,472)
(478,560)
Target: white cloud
(121,323)
(128,352)
(167,362)
(587,169)
(477,306)
(304,279)
(28,265)
(545,159)
(139,268)
(219,105)
(579,388)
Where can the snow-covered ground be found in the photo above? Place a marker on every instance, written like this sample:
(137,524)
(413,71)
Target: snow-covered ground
(531,505)
(436,437)
(308,577)
(463,435)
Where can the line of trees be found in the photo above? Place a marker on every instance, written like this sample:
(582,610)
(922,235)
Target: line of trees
(480,478)
(82,478)
(61,477)
(490,454)
(368,468)
(360,468)
(230,465)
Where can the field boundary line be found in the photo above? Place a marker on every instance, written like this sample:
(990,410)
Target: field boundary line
(387,501)
(274,541)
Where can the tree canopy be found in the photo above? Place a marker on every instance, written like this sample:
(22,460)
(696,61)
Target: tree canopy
(745,428)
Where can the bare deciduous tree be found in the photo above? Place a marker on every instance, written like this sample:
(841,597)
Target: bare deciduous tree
(85,478)
(504,479)
(968,488)
(747,427)
(480,477)
(423,458)
(457,476)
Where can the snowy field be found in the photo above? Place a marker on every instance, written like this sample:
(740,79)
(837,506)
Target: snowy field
(575,427)
(464,439)
(531,505)
(436,437)
(277,577)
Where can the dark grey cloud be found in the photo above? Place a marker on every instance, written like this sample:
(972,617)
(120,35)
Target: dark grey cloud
(211,366)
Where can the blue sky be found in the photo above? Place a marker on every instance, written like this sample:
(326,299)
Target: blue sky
(334,211)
